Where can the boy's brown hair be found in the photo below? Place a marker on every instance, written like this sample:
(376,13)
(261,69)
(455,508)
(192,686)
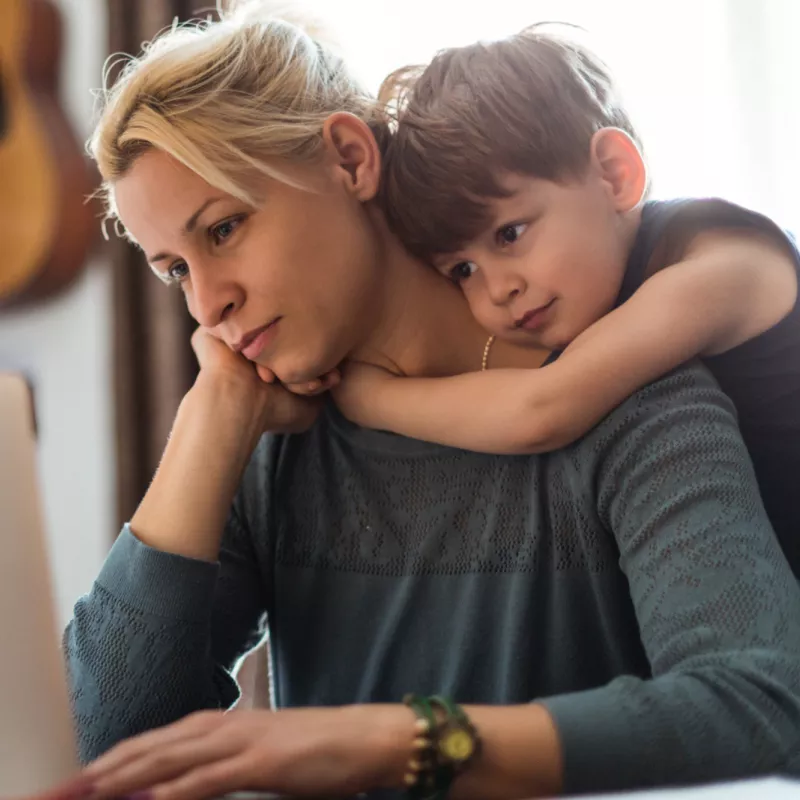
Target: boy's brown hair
(528,104)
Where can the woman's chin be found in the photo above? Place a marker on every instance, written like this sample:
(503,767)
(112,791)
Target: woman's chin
(300,370)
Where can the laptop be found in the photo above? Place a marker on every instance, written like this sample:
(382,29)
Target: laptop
(37,742)
(38,749)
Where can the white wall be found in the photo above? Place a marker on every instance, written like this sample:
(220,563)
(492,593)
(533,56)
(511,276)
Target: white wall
(713,93)
(64,345)
(711,84)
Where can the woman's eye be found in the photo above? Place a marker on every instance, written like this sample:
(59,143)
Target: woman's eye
(462,271)
(178,272)
(219,233)
(509,234)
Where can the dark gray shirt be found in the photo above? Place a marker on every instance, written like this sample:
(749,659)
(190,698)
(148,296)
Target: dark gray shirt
(761,375)
(630,582)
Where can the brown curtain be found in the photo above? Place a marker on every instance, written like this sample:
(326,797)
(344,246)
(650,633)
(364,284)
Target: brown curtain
(153,361)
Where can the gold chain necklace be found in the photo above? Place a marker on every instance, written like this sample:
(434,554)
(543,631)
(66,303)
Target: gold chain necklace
(486,350)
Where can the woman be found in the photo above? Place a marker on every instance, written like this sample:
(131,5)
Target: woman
(630,585)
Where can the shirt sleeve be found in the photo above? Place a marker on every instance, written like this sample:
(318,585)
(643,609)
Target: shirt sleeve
(158,635)
(716,602)
(668,227)
(684,219)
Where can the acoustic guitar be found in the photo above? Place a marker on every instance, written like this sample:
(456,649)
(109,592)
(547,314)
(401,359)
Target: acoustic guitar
(46,225)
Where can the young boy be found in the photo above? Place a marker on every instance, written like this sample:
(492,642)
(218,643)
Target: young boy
(516,172)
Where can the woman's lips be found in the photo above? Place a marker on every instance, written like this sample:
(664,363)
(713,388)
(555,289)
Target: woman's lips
(254,342)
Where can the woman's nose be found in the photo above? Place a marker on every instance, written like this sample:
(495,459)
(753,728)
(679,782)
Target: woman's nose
(212,300)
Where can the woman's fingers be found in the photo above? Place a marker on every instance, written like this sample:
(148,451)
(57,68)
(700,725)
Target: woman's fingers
(318,386)
(171,764)
(332,378)
(79,789)
(210,350)
(205,343)
(193,727)
(168,766)
(265,373)
(207,781)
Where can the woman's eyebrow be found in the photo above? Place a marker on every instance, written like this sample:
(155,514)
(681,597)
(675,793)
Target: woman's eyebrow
(188,226)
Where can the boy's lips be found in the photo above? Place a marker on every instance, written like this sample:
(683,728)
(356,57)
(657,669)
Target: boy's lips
(534,319)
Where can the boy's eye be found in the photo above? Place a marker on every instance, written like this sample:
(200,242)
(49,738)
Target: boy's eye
(223,230)
(509,234)
(462,271)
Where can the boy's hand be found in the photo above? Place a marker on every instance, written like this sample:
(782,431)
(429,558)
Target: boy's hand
(361,395)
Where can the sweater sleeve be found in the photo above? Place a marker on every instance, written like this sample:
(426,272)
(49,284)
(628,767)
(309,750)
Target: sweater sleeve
(158,635)
(717,605)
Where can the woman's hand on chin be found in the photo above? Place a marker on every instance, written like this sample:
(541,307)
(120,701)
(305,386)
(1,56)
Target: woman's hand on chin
(301,752)
(310,388)
(255,396)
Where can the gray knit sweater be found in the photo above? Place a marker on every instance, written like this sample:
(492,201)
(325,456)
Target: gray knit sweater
(630,582)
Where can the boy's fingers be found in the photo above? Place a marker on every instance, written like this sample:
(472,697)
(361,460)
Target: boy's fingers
(266,374)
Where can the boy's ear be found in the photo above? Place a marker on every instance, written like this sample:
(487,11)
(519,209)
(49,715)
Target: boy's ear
(621,167)
(353,153)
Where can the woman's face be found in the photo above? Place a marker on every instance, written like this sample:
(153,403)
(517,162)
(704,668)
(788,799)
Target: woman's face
(292,284)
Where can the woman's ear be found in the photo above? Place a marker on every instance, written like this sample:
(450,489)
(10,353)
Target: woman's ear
(619,162)
(354,154)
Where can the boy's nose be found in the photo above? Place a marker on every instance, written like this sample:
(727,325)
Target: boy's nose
(503,286)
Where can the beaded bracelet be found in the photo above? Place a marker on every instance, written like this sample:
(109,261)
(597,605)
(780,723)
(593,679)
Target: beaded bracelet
(442,747)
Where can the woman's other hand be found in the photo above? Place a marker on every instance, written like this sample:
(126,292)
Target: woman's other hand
(299,752)
(78,789)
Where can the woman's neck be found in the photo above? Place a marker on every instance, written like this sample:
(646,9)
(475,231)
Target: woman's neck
(423,326)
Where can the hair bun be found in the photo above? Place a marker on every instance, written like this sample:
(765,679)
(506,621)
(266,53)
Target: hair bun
(295,14)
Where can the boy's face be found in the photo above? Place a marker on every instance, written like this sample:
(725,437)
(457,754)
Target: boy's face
(550,265)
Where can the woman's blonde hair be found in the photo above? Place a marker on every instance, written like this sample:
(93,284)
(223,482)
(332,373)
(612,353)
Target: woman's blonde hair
(229,99)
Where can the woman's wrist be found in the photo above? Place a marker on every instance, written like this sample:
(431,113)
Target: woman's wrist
(520,750)
(233,405)
(381,743)
(520,754)
(184,510)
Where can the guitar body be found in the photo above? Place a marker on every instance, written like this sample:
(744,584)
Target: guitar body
(46,224)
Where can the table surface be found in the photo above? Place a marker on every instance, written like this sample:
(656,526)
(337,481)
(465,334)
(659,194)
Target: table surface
(772,788)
